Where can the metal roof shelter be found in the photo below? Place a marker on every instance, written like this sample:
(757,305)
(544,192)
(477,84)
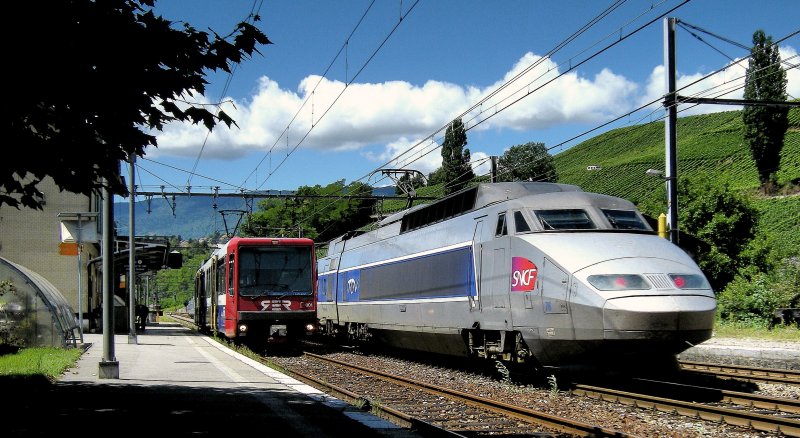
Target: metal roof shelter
(152,253)
(33,313)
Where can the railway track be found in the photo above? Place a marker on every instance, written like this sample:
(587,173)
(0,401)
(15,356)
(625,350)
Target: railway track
(753,374)
(782,419)
(438,410)
(777,405)
(185,320)
(447,409)
(755,413)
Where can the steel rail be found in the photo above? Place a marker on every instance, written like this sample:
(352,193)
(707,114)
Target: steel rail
(767,423)
(773,375)
(395,416)
(787,405)
(529,415)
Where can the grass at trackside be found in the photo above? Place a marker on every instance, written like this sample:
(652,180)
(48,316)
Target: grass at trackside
(47,362)
(779,333)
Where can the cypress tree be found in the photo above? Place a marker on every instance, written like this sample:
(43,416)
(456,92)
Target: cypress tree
(765,126)
(455,158)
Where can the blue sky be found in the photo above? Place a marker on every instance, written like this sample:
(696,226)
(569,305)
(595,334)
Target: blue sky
(348,88)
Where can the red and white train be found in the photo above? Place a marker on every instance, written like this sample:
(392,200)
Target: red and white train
(257,290)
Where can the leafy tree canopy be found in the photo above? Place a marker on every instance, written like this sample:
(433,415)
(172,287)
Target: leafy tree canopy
(723,221)
(527,162)
(92,78)
(320,213)
(436,177)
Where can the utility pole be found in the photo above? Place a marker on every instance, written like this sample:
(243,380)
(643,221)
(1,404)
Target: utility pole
(109,366)
(130,284)
(670,127)
(80,281)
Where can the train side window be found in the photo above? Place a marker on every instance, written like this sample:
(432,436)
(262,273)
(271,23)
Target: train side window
(502,228)
(520,224)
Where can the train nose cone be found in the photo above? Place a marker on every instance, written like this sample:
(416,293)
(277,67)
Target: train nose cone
(657,317)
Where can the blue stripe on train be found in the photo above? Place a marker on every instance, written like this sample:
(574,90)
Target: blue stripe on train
(441,275)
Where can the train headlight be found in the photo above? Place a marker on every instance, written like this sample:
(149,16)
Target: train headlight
(242,328)
(310,327)
(618,282)
(689,281)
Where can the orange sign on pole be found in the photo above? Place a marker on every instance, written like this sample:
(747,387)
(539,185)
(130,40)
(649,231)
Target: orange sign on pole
(68,248)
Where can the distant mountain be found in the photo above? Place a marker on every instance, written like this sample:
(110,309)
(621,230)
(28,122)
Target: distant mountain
(384,191)
(190,217)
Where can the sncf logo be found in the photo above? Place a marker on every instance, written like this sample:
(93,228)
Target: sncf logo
(276,305)
(523,274)
(352,286)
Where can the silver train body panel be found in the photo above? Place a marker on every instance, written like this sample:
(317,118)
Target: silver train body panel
(490,272)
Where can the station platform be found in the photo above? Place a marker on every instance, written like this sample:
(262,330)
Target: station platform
(175,382)
(748,352)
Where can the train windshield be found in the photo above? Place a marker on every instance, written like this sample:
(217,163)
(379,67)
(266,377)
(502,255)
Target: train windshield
(564,219)
(625,220)
(279,270)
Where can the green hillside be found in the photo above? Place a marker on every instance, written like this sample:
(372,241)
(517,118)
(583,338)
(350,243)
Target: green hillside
(710,145)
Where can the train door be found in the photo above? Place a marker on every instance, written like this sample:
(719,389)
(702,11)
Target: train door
(554,284)
(219,294)
(201,292)
(477,244)
(334,287)
(495,268)
(231,307)
(326,290)
(328,312)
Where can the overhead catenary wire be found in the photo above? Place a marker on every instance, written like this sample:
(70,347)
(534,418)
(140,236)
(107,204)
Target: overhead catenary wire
(251,16)
(559,46)
(431,137)
(651,103)
(347,84)
(310,95)
(659,99)
(707,91)
(571,67)
(433,146)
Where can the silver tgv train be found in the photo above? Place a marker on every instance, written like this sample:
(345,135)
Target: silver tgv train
(523,272)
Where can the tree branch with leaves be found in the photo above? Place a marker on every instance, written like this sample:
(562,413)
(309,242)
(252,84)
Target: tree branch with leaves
(93,79)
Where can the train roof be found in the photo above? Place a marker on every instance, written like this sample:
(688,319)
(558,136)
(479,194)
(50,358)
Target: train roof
(472,198)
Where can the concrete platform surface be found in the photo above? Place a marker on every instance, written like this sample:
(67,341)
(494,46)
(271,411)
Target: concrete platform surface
(174,382)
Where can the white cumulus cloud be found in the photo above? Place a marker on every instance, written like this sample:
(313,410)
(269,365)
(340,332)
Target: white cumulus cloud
(407,120)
